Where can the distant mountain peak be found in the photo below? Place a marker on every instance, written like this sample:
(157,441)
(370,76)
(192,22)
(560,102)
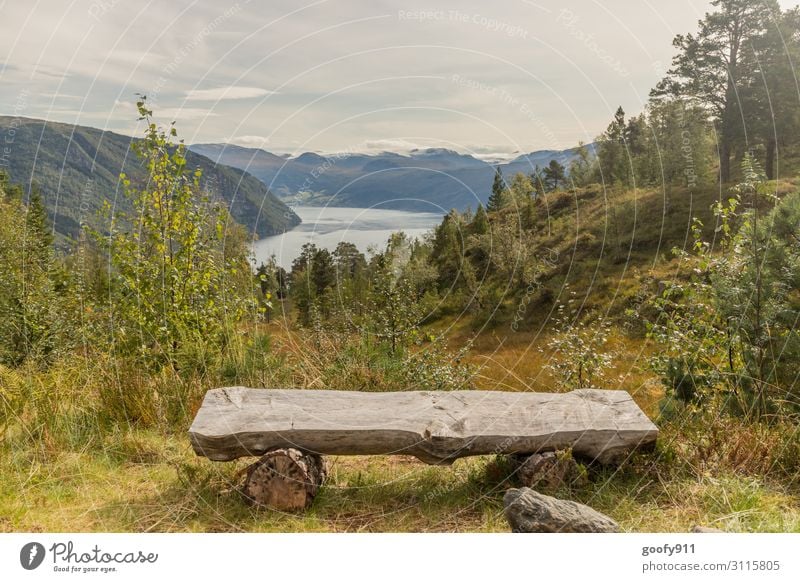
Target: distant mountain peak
(309,157)
(408,181)
(435,152)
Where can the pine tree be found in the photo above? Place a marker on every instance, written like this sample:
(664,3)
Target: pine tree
(537,177)
(480,223)
(323,274)
(769,96)
(554,175)
(580,168)
(30,314)
(710,67)
(612,151)
(38,236)
(497,199)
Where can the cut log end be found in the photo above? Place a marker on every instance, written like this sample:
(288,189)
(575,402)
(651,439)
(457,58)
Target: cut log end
(549,470)
(284,479)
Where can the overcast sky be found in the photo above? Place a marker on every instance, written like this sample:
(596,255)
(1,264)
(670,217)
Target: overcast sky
(334,75)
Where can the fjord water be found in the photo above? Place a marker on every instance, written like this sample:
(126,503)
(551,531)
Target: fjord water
(327,226)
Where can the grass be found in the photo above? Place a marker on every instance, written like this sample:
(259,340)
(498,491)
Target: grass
(176,491)
(163,487)
(713,472)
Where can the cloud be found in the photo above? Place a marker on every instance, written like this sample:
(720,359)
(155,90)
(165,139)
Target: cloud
(493,153)
(184,113)
(402,146)
(221,93)
(357,79)
(64,96)
(249,141)
(49,72)
(171,113)
(390,145)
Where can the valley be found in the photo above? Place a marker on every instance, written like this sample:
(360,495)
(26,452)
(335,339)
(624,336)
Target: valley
(433,180)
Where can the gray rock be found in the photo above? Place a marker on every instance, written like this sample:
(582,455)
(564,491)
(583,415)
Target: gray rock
(528,511)
(703,529)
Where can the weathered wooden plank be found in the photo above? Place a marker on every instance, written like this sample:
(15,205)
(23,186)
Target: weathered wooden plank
(436,427)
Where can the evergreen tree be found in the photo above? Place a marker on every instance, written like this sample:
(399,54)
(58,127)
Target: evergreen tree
(554,175)
(323,275)
(480,222)
(497,199)
(38,235)
(612,150)
(710,69)
(447,252)
(348,261)
(9,191)
(580,168)
(32,314)
(769,96)
(521,189)
(537,177)
(304,260)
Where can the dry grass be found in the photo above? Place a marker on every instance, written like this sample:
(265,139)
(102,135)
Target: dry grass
(711,471)
(151,483)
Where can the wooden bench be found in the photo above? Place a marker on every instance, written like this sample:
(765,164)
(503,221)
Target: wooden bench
(291,429)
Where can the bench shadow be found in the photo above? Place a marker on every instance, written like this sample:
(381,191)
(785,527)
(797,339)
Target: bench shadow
(369,494)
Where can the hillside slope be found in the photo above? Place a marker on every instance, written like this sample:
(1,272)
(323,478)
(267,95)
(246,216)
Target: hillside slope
(78,167)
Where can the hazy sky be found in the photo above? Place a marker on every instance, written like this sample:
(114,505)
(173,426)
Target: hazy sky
(333,75)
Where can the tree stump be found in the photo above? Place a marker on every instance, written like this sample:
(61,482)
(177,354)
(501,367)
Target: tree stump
(284,479)
(551,470)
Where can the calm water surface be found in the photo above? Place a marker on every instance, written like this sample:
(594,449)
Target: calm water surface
(328,226)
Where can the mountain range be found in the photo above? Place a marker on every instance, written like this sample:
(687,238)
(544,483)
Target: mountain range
(76,168)
(432,180)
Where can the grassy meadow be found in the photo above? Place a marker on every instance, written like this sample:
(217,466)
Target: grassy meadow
(84,473)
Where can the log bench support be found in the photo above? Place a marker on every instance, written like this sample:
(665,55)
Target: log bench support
(284,479)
